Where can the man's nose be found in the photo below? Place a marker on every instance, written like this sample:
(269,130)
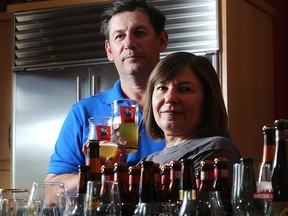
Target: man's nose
(130,41)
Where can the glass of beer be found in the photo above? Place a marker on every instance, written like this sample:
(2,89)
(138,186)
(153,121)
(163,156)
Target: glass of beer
(100,130)
(125,122)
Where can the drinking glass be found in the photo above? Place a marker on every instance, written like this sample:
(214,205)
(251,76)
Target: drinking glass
(48,199)
(125,122)
(109,199)
(13,202)
(264,195)
(100,130)
(92,198)
(243,189)
(215,204)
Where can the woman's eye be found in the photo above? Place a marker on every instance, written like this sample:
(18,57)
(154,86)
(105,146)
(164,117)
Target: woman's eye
(161,88)
(185,89)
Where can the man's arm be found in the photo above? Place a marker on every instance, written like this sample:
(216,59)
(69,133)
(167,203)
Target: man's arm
(70,180)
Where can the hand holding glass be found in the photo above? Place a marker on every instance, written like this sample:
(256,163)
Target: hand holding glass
(125,122)
(100,130)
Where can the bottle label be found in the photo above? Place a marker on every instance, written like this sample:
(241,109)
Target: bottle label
(134,179)
(103,133)
(94,164)
(220,173)
(127,114)
(264,191)
(207,175)
(175,174)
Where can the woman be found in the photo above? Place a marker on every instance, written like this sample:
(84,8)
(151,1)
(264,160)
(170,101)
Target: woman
(188,110)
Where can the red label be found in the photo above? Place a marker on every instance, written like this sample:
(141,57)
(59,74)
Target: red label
(134,179)
(94,164)
(103,133)
(127,114)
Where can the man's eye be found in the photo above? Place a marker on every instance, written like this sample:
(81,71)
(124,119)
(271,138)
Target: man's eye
(119,37)
(140,33)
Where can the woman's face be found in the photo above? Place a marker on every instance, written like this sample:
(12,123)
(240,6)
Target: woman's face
(177,104)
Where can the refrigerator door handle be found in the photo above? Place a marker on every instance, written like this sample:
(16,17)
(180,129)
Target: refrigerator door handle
(78,89)
(94,87)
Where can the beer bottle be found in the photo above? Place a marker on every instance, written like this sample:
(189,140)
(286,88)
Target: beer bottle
(83,178)
(121,176)
(134,181)
(198,181)
(279,176)
(174,187)
(165,182)
(187,188)
(93,160)
(269,144)
(264,195)
(221,183)
(147,205)
(206,185)
(157,181)
(107,173)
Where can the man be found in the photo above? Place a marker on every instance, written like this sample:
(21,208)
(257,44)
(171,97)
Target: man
(135,36)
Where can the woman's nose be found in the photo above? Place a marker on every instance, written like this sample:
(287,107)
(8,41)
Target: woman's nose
(171,97)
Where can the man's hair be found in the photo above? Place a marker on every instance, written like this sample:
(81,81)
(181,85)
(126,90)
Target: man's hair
(156,18)
(215,119)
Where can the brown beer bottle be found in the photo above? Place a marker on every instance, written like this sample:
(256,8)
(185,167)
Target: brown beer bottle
(165,182)
(221,183)
(107,173)
(134,181)
(93,160)
(121,176)
(279,176)
(157,181)
(269,144)
(188,188)
(83,178)
(147,191)
(206,185)
(174,187)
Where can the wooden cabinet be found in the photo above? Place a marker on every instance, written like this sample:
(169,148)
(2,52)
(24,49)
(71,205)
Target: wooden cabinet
(5,99)
(247,71)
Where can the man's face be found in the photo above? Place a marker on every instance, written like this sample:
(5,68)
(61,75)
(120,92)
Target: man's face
(133,44)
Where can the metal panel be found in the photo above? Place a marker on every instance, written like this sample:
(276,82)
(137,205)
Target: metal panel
(69,36)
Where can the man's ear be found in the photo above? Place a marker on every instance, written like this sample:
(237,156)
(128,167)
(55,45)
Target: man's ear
(163,38)
(108,51)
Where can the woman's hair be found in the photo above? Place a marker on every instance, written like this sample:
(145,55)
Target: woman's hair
(156,18)
(214,120)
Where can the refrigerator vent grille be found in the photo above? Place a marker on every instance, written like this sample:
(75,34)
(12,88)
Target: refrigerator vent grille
(69,36)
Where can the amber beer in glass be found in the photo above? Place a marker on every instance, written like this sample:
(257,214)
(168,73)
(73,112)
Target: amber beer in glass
(125,122)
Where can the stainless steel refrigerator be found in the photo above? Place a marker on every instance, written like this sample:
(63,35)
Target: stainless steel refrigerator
(41,102)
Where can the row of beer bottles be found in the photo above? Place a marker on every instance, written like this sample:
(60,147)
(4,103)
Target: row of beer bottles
(275,153)
(164,189)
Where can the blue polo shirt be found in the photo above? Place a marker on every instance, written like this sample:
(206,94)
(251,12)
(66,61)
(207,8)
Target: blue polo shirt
(68,148)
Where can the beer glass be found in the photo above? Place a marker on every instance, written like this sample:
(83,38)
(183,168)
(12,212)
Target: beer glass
(100,130)
(13,202)
(125,122)
(109,199)
(92,199)
(264,195)
(48,199)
